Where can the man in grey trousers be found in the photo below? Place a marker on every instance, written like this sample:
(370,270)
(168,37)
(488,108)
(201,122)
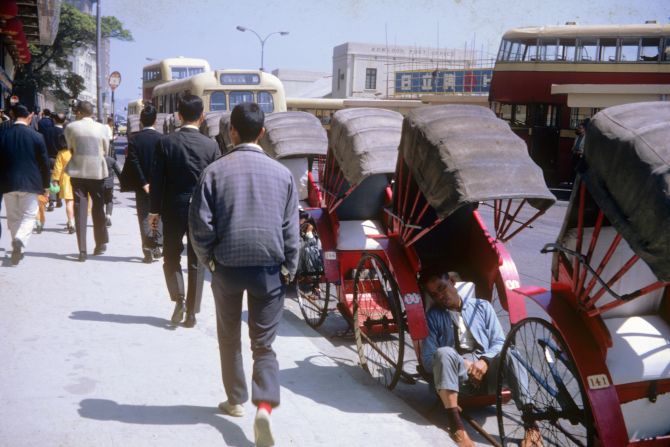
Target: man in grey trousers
(243,221)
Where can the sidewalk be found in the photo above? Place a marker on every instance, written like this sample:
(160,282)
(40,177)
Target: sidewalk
(90,358)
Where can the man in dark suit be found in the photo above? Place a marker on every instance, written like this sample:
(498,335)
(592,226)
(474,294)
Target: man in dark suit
(179,160)
(24,174)
(141,148)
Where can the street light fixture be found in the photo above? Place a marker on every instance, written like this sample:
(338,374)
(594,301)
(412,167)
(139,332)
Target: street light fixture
(261,39)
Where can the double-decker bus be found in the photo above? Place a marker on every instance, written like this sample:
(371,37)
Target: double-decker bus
(170,69)
(547,80)
(222,90)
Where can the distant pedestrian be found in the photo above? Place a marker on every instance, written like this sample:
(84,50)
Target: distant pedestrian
(244,226)
(24,174)
(578,145)
(112,168)
(60,178)
(45,122)
(89,142)
(52,137)
(141,149)
(179,160)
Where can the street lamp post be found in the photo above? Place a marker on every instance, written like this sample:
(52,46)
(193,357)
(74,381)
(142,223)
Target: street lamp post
(261,39)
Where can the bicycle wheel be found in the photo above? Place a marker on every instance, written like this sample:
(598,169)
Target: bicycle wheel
(313,297)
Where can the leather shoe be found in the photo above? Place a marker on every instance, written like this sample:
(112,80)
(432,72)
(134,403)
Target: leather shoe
(178,313)
(156,252)
(190,320)
(100,249)
(82,257)
(148,259)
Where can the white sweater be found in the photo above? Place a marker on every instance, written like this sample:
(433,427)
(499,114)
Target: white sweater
(89,143)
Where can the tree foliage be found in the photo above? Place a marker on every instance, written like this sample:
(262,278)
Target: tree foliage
(50,68)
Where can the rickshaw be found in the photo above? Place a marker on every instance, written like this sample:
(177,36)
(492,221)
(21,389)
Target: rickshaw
(377,234)
(211,127)
(298,141)
(599,367)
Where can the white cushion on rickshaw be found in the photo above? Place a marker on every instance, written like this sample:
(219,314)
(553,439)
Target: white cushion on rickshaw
(353,235)
(638,276)
(299,168)
(640,349)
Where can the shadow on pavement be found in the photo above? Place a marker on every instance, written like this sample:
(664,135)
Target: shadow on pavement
(91,257)
(108,410)
(87,315)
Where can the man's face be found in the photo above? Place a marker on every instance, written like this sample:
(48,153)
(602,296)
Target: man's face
(579,130)
(444,292)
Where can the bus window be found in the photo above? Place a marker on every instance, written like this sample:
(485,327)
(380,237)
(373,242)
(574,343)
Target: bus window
(503,54)
(531,51)
(587,50)
(607,50)
(240,97)
(566,50)
(649,49)
(666,50)
(629,49)
(195,70)
(505,112)
(217,101)
(579,114)
(546,50)
(516,53)
(519,115)
(179,72)
(265,102)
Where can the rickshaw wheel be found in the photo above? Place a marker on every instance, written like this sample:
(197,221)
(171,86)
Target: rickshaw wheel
(313,297)
(556,403)
(379,327)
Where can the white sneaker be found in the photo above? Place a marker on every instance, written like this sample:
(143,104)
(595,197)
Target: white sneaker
(236,410)
(263,429)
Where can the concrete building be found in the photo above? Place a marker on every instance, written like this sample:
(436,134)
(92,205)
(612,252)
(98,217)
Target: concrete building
(304,84)
(369,70)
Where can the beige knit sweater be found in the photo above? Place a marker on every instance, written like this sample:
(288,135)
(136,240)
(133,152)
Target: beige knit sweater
(89,142)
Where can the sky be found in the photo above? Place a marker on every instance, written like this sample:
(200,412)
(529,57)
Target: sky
(206,28)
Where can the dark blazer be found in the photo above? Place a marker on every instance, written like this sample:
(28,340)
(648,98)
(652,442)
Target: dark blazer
(141,148)
(24,163)
(43,124)
(179,160)
(52,138)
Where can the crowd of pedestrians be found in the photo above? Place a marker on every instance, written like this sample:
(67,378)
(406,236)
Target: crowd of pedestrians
(238,213)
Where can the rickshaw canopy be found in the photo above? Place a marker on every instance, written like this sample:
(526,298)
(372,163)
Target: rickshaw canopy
(223,137)
(627,153)
(463,154)
(294,134)
(210,125)
(364,141)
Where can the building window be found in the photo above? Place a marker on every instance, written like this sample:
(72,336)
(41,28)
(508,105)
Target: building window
(338,78)
(370,78)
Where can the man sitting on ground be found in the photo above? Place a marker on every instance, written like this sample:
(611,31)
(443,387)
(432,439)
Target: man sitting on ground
(463,350)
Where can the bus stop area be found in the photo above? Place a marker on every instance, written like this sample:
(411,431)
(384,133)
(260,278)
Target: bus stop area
(91,358)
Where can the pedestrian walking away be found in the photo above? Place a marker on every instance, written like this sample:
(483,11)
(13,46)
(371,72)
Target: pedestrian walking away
(61,182)
(89,142)
(244,226)
(112,168)
(24,174)
(137,170)
(179,160)
(53,137)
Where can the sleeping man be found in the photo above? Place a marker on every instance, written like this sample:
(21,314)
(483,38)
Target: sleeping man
(463,351)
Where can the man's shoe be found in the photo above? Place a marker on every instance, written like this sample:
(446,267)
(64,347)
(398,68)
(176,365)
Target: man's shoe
(236,410)
(156,252)
(190,320)
(100,249)
(108,221)
(461,438)
(178,313)
(263,429)
(17,245)
(532,438)
(82,256)
(148,259)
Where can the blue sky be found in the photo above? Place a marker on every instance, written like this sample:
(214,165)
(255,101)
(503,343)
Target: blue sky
(206,28)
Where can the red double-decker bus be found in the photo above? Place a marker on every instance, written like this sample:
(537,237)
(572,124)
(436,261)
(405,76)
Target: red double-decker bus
(547,80)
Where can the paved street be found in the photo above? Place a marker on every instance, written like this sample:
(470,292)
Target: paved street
(90,358)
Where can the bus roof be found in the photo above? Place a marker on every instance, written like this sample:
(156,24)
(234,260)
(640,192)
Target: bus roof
(641,30)
(181,61)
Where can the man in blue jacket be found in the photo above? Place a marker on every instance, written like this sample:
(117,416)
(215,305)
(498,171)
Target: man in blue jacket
(24,174)
(463,350)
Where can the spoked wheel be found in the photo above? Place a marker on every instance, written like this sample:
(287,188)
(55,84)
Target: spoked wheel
(552,404)
(313,297)
(378,320)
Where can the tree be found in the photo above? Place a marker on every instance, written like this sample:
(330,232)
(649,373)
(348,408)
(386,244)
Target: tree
(50,68)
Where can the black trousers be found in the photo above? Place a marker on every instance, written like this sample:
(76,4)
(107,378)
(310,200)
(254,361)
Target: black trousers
(175,226)
(265,300)
(82,189)
(142,204)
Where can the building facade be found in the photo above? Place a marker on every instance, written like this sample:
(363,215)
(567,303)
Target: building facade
(367,70)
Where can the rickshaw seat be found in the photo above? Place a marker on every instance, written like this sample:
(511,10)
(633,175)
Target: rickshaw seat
(359,235)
